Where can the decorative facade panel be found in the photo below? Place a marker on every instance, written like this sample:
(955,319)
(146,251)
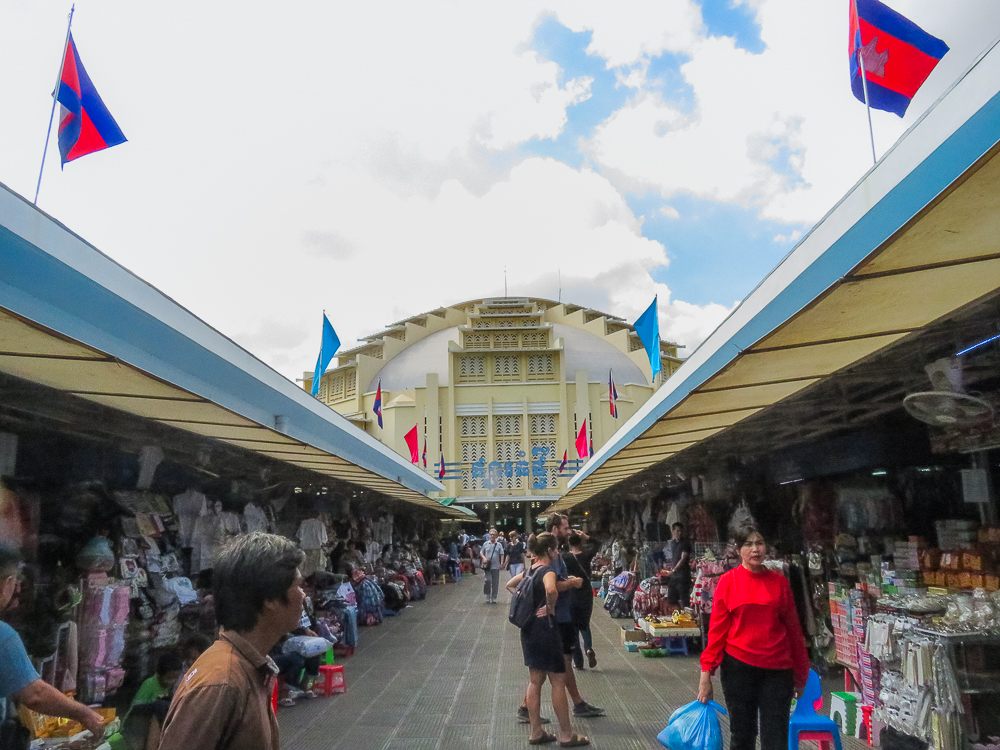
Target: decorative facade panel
(477,341)
(540,367)
(506,368)
(542,424)
(471,369)
(507,424)
(472,427)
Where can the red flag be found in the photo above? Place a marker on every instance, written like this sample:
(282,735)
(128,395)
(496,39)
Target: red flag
(412,442)
(581,441)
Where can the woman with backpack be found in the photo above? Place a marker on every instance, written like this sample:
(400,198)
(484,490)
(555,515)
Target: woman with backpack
(542,649)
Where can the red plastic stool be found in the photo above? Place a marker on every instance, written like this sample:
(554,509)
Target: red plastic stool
(825,739)
(866,711)
(333,679)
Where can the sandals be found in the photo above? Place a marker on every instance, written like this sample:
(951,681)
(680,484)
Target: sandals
(576,741)
(545,739)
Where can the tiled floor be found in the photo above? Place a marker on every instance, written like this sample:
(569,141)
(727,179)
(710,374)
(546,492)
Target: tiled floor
(447,674)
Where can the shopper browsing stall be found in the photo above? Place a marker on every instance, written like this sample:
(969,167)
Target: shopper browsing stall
(678,551)
(18,678)
(755,636)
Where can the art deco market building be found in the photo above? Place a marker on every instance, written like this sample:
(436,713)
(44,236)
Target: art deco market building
(500,388)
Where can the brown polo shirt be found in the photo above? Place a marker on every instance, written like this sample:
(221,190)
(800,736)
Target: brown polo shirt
(224,701)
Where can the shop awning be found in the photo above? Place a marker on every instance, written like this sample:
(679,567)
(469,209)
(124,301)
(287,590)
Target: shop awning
(915,241)
(447,502)
(74,320)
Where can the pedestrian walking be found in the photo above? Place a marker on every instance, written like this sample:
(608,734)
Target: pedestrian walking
(754,634)
(492,556)
(541,647)
(515,554)
(578,560)
(224,700)
(18,678)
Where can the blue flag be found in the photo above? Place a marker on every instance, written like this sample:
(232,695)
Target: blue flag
(329,347)
(648,328)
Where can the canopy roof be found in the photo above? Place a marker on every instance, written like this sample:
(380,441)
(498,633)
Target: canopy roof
(73,320)
(915,242)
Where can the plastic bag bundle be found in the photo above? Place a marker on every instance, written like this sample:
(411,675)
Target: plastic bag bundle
(694,727)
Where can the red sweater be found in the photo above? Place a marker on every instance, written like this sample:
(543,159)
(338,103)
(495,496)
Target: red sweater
(754,620)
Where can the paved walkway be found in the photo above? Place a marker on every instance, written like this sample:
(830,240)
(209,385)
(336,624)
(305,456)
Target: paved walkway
(447,674)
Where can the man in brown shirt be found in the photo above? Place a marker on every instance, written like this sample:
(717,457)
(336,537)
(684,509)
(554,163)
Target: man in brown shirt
(224,700)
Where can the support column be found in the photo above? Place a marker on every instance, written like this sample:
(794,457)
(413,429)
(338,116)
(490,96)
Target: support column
(493,515)
(527,519)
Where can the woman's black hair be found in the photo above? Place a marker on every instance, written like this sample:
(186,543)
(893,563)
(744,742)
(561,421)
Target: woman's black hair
(742,526)
(542,543)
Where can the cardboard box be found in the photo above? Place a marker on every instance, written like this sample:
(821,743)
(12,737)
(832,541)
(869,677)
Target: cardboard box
(631,635)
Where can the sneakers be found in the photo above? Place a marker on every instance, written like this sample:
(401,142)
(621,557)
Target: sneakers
(585,709)
(591,658)
(524,718)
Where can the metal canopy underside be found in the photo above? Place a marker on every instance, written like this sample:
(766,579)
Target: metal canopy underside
(894,270)
(42,358)
(74,321)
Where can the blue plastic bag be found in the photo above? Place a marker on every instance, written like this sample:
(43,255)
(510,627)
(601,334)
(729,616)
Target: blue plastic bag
(694,727)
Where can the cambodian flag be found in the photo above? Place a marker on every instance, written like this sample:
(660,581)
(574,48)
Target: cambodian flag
(423,456)
(562,466)
(898,55)
(377,408)
(612,394)
(85,125)
(592,447)
(441,468)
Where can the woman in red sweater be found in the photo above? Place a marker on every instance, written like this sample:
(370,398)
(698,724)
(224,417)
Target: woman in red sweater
(755,636)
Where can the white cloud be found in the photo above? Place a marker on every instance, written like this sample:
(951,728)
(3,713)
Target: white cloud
(792,237)
(670,212)
(792,103)
(363,158)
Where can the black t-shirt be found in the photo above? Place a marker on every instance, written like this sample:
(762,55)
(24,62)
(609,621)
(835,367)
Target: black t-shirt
(515,553)
(677,549)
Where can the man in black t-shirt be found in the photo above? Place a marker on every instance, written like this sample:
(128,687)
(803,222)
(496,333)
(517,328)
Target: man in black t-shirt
(679,554)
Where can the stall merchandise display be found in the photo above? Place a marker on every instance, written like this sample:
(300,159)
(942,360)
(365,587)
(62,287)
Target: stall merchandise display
(922,661)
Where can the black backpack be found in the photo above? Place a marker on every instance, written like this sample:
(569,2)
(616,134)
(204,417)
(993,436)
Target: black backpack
(522,603)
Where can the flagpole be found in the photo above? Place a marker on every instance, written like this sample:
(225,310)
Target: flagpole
(864,85)
(55,100)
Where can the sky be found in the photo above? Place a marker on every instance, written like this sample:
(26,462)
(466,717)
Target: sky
(379,160)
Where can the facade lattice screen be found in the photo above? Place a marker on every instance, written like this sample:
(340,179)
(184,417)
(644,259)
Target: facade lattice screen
(471,369)
(506,368)
(540,367)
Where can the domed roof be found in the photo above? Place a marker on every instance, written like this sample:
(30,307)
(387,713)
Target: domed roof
(584,351)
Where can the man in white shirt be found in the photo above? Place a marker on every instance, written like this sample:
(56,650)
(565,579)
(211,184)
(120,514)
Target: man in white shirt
(492,556)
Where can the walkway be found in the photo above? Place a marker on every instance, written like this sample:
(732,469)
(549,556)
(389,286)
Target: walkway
(447,674)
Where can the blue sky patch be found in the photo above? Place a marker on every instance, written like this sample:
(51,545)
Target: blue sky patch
(718,252)
(725,18)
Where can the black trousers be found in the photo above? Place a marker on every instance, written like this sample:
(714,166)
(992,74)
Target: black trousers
(751,691)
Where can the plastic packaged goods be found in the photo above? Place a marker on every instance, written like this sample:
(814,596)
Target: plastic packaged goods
(694,727)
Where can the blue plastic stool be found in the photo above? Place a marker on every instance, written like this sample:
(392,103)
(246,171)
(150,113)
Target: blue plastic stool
(805,719)
(676,645)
